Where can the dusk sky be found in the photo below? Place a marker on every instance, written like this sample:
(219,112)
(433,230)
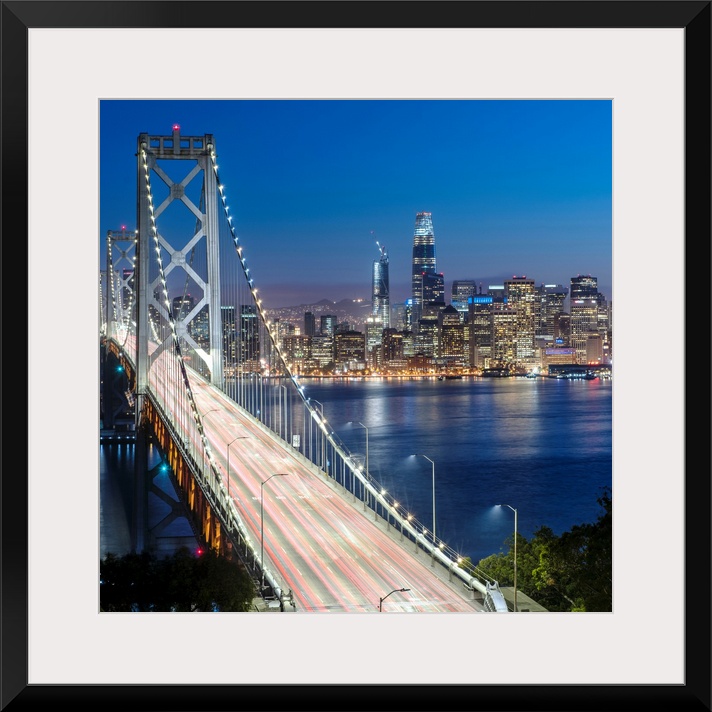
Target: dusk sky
(514,187)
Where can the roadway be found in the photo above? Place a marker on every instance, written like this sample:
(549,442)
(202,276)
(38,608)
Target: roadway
(317,541)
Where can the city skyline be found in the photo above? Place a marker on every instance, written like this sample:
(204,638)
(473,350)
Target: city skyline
(513,187)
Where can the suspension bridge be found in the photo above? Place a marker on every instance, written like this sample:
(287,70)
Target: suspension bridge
(264,476)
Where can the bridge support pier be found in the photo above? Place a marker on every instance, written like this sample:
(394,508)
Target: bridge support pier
(139,519)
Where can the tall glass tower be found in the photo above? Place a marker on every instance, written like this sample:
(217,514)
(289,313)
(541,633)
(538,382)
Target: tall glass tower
(381,297)
(423,257)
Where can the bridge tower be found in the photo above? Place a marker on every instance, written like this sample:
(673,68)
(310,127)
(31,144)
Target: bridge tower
(176,173)
(119,302)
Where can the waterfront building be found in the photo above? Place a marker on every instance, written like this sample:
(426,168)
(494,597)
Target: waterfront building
(392,349)
(479,326)
(423,260)
(427,335)
(451,338)
(584,314)
(381,303)
(322,351)
(504,335)
(297,351)
(350,350)
(604,329)
(522,298)
(558,356)
(552,298)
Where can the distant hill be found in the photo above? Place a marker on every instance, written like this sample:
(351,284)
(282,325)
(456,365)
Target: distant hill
(355,310)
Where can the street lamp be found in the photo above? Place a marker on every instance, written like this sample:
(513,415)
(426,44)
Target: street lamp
(239,437)
(433,464)
(262,512)
(380,600)
(515,552)
(365,491)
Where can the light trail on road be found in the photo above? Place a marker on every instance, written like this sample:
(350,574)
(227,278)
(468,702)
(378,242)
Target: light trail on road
(331,554)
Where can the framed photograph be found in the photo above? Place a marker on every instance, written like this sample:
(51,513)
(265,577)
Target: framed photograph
(651,60)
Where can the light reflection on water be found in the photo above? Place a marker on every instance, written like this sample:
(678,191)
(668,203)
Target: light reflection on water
(544,446)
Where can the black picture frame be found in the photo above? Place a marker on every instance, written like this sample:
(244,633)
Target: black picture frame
(694,17)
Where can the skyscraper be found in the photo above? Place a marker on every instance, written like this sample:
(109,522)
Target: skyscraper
(381,297)
(423,258)
(462,289)
(521,297)
(584,314)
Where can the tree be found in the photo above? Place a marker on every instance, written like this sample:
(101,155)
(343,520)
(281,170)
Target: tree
(182,582)
(571,572)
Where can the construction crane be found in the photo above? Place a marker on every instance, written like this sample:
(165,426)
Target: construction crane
(381,249)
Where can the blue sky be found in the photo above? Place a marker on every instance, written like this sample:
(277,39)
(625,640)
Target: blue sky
(514,187)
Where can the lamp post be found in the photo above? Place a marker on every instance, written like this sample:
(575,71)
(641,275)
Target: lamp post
(239,437)
(365,492)
(262,511)
(515,553)
(282,407)
(380,600)
(432,563)
(321,407)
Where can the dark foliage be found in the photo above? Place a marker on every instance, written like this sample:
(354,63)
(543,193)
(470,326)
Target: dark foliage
(183,582)
(571,572)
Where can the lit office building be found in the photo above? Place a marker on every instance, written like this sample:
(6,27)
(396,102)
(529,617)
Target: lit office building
(552,299)
(381,298)
(322,350)
(297,351)
(182,306)
(504,335)
(462,290)
(451,337)
(398,316)
(229,334)
(374,338)
(522,298)
(479,324)
(350,348)
(433,287)
(249,337)
(392,350)
(328,325)
(584,315)
(423,258)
